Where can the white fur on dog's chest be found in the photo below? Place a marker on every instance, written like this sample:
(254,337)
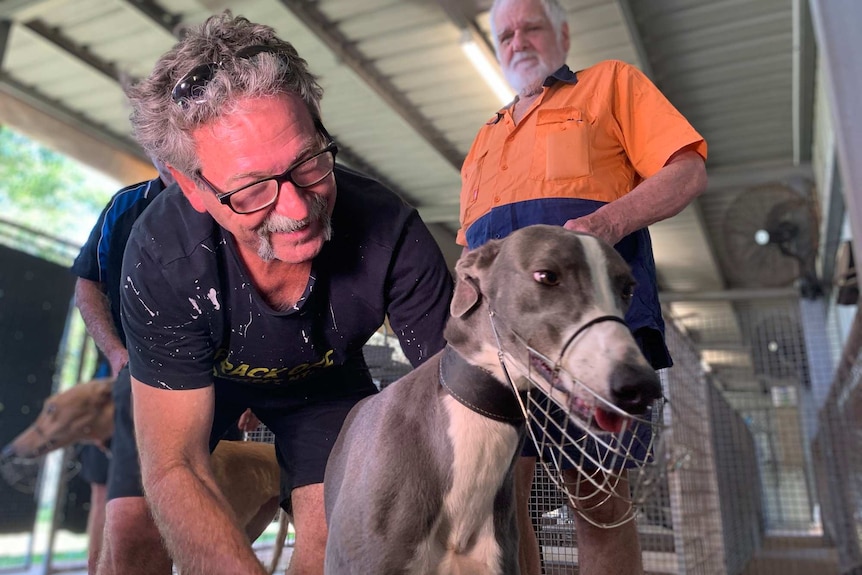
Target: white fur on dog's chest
(483,449)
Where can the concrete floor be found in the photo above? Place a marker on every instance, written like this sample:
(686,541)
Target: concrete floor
(794,556)
(779,556)
(264,552)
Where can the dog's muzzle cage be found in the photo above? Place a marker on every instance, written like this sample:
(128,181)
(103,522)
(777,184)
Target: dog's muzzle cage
(637,452)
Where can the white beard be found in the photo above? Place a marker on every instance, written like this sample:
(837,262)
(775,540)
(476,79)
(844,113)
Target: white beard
(527,81)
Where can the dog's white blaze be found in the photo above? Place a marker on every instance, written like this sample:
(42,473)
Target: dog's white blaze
(483,449)
(594,354)
(598,264)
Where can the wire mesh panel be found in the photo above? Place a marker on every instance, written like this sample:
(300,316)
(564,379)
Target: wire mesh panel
(694,485)
(836,456)
(764,376)
(766,477)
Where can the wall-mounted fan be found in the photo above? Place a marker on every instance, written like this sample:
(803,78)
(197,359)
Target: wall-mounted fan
(771,239)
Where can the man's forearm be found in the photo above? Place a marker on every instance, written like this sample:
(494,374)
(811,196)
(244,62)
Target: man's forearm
(198,526)
(96,312)
(657,198)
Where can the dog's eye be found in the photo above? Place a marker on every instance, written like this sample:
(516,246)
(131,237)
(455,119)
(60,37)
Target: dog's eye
(546,277)
(628,292)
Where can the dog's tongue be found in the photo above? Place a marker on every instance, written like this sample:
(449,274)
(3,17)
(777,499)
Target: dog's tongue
(610,422)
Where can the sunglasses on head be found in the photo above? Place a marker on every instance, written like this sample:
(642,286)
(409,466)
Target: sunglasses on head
(190,88)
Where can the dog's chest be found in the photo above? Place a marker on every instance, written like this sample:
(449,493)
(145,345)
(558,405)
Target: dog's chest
(464,533)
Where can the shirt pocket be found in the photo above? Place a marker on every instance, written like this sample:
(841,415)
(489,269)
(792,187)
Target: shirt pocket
(471,189)
(562,150)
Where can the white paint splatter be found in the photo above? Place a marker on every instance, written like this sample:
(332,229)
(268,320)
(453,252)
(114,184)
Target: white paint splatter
(149,311)
(332,314)
(212,295)
(197,313)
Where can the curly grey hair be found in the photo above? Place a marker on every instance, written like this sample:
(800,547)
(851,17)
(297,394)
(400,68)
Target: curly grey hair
(163,127)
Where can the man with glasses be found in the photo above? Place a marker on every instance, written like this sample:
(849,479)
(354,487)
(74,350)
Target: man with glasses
(250,286)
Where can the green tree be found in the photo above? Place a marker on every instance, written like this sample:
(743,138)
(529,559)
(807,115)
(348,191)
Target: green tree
(42,189)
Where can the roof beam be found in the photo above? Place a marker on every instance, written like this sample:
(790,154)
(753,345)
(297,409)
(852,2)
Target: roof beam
(57,110)
(730,295)
(355,161)
(839,46)
(346,51)
(5,28)
(439,213)
(757,174)
(458,13)
(431,214)
(804,70)
(462,14)
(635,37)
(82,53)
(161,17)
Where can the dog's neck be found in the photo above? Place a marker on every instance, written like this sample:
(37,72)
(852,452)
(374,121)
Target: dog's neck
(478,389)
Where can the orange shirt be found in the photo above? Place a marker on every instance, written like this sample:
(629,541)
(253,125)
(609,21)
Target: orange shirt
(594,139)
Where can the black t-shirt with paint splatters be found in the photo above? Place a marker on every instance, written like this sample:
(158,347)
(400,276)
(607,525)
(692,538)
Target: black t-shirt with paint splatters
(191,314)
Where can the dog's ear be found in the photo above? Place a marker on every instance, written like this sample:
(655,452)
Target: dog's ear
(465,297)
(468,270)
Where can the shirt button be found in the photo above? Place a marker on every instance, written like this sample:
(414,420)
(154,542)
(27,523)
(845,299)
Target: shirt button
(496,199)
(504,167)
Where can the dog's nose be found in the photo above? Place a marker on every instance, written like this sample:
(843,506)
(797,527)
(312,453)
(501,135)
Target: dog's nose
(634,387)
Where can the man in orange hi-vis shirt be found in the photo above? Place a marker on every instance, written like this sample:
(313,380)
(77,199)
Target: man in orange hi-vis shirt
(600,151)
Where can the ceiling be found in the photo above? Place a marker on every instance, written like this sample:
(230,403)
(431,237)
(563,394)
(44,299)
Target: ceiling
(404,104)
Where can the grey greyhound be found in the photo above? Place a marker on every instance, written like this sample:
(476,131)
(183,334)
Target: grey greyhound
(420,480)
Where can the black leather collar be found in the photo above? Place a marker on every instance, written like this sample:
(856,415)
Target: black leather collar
(478,390)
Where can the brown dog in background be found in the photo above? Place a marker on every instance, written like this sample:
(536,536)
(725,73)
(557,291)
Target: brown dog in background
(246,471)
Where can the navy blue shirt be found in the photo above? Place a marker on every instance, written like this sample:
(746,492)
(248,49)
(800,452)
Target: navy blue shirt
(101,257)
(192,315)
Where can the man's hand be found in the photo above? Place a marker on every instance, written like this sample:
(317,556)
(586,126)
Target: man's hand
(595,224)
(248,421)
(118,359)
(661,196)
(96,312)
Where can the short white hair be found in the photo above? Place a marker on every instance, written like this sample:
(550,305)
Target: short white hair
(553,10)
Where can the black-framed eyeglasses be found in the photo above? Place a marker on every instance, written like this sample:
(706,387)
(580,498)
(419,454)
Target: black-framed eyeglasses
(190,88)
(263,193)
